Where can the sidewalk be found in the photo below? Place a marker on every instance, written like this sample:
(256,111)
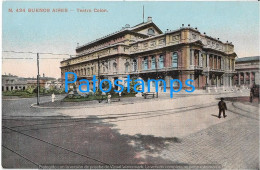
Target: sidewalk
(58,104)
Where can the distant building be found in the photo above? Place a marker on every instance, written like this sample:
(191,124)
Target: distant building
(42,81)
(145,52)
(12,82)
(247,71)
(56,84)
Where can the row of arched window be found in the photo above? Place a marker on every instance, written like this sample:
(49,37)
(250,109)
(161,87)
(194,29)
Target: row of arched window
(161,62)
(81,72)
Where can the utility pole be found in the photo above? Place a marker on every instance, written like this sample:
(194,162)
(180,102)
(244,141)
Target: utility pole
(98,71)
(143,13)
(38,80)
(156,64)
(99,80)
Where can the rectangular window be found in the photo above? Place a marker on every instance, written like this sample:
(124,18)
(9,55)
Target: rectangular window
(175,60)
(145,63)
(161,61)
(153,66)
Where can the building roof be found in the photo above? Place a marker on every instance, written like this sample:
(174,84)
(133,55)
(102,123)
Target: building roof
(248,59)
(126,29)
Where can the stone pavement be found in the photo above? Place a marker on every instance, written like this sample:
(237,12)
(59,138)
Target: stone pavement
(234,144)
(181,130)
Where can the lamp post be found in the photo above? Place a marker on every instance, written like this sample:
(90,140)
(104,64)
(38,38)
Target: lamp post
(38,80)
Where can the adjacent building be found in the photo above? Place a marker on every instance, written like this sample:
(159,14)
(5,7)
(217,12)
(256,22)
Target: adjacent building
(42,82)
(144,51)
(247,71)
(12,82)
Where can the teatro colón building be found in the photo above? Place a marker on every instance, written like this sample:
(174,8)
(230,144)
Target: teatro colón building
(144,51)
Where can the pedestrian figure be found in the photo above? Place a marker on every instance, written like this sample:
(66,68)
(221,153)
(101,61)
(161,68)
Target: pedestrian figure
(222,107)
(52,97)
(109,98)
(119,94)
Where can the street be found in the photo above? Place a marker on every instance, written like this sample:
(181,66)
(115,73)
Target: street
(178,131)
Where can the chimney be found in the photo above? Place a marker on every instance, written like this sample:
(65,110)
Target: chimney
(188,25)
(149,19)
(182,25)
(43,75)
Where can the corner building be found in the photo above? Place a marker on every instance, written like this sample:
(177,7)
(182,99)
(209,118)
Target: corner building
(144,51)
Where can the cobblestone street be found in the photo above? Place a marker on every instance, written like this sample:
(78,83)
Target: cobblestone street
(180,131)
(234,144)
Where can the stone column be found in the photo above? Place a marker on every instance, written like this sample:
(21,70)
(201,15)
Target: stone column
(191,57)
(239,83)
(256,77)
(139,63)
(221,62)
(213,62)
(244,78)
(201,59)
(250,79)
(224,63)
(208,79)
(199,63)
(207,60)
(217,62)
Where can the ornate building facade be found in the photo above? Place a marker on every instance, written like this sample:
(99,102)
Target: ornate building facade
(144,51)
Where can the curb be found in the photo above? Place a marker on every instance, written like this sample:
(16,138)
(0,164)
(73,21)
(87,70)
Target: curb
(34,105)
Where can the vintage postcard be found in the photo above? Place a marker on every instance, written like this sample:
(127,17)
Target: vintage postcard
(130,85)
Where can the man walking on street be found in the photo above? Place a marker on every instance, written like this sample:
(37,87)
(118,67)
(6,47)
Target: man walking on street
(222,107)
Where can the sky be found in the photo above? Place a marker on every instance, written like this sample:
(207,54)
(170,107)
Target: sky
(59,33)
